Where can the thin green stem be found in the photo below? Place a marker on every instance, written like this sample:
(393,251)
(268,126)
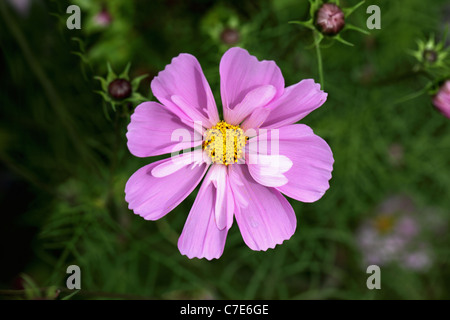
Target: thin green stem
(317,40)
(412,95)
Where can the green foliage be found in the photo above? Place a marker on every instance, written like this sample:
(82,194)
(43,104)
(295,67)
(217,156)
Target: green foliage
(55,137)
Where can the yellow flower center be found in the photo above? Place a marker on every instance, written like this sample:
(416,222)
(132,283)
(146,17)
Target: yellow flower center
(224,143)
(384,223)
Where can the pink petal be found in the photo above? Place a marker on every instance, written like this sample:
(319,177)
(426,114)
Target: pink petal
(224,207)
(201,237)
(151,128)
(152,197)
(241,73)
(312,159)
(183,88)
(269,170)
(265,218)
(256,119)
(255,99)
(177,162)
(296,102)
(442,99)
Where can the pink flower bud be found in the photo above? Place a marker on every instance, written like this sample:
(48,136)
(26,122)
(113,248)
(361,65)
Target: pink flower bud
(230,36)
(119,89)
(330,19)
(21,6)
(442,99)
(103,18)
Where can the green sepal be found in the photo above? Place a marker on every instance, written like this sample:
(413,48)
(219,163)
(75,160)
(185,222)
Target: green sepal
(308,24)
(355,28)
(124,74)
(349,11)
(341,40)
(136,81)
(111,74)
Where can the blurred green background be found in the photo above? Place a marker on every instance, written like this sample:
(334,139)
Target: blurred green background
(64,160)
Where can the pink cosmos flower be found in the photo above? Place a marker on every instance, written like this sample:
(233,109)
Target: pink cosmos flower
(256,107)
(442,99)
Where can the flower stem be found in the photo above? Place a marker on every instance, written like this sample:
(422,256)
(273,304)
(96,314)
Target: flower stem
(413,95)
(317,40)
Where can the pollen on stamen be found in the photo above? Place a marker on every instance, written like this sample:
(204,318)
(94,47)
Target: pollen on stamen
(224,143)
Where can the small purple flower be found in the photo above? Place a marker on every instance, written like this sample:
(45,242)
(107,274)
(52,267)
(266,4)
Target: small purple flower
(255,102)
(378,246)
(417,260)
(394,236)
(442,99)
(406,227)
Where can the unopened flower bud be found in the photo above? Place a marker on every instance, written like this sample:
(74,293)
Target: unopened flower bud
(430,55)
(330,19)
(119,89)
(230,36)
(442,99)
(103,18)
